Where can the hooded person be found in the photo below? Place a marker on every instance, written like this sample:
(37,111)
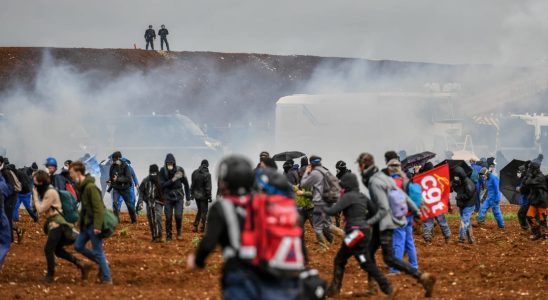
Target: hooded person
(150,192)
(536,190)
(200,190)
(353,204)
(304,164)
(466,199)
(341,168)
(120,183)
(175,188)
(521,174)
(384,222)
(290,173)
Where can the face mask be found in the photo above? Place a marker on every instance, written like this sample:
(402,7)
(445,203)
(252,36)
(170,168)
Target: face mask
(118,162)
(519,175)
(170,167)
(153,174)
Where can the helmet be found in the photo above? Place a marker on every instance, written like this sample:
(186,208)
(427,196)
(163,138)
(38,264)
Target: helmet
(51,161)
(163,26)
(484,171)
(236,175)
(149,26)
(273,183)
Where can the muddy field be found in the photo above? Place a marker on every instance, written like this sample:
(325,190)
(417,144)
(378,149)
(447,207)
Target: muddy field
(503,265)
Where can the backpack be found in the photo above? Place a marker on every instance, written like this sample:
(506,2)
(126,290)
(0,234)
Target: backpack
(70,206)
(332,190)
(474,176)
(271,236)
(11,178)
(398,203)
(70,188)
(414,190)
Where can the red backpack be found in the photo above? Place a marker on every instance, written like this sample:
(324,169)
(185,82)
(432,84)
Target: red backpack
(271,235)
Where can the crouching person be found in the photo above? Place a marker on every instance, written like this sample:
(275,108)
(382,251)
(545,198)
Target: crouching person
(241,279)
(59,231)
(91,219)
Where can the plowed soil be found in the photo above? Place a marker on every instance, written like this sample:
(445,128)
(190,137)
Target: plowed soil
(502,265)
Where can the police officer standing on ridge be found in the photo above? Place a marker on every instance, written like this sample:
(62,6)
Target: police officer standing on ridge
(150,36)
(163,37)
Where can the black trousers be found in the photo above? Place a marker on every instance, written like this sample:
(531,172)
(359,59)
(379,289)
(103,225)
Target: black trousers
(55,246)
(201,215)
(162,41)
(151,43)
(383,239)
(305,214)
(9,206)
(522,216)
(362,255)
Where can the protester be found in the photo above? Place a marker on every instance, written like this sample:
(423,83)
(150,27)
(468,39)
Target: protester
(59,231)
(5,228)
(104,167)
(289,172)
(132,189)
(403,236)
(67,182)
(23,197)
(150,192)
(150,36)
(163,37)
(466,199)
(304,165)
(476,168)
(91,219)
(200,190)
(120,183)
(523,202)
(356,208)
(240,280)
(314,178)
(14,186)
(384,222)
(536,189)
(492,200)
(56,179)
(172,180)
(428,225)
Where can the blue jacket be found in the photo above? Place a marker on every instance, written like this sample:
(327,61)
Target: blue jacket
(493,192)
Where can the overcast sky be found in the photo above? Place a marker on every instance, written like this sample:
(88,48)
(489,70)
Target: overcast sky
(459,31)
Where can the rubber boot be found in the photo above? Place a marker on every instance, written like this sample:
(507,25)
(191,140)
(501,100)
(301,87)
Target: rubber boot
(84,270)
(536,232)
(202,226)
(470,236)
(427,281)
(336,283)
(322,242)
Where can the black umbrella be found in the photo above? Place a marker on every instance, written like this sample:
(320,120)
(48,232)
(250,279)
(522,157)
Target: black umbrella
(285,156)
(509,181)
(417,159)
(456,163)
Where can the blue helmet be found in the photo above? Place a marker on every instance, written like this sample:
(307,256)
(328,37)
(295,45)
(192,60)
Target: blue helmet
(51,161)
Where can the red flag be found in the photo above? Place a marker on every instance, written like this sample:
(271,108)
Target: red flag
(435,191)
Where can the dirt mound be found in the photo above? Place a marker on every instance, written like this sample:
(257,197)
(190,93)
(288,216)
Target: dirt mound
(503,265)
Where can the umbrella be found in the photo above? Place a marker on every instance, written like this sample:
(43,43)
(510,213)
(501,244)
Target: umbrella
(453,163)
(285,156)
(417,159)
(509,181)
